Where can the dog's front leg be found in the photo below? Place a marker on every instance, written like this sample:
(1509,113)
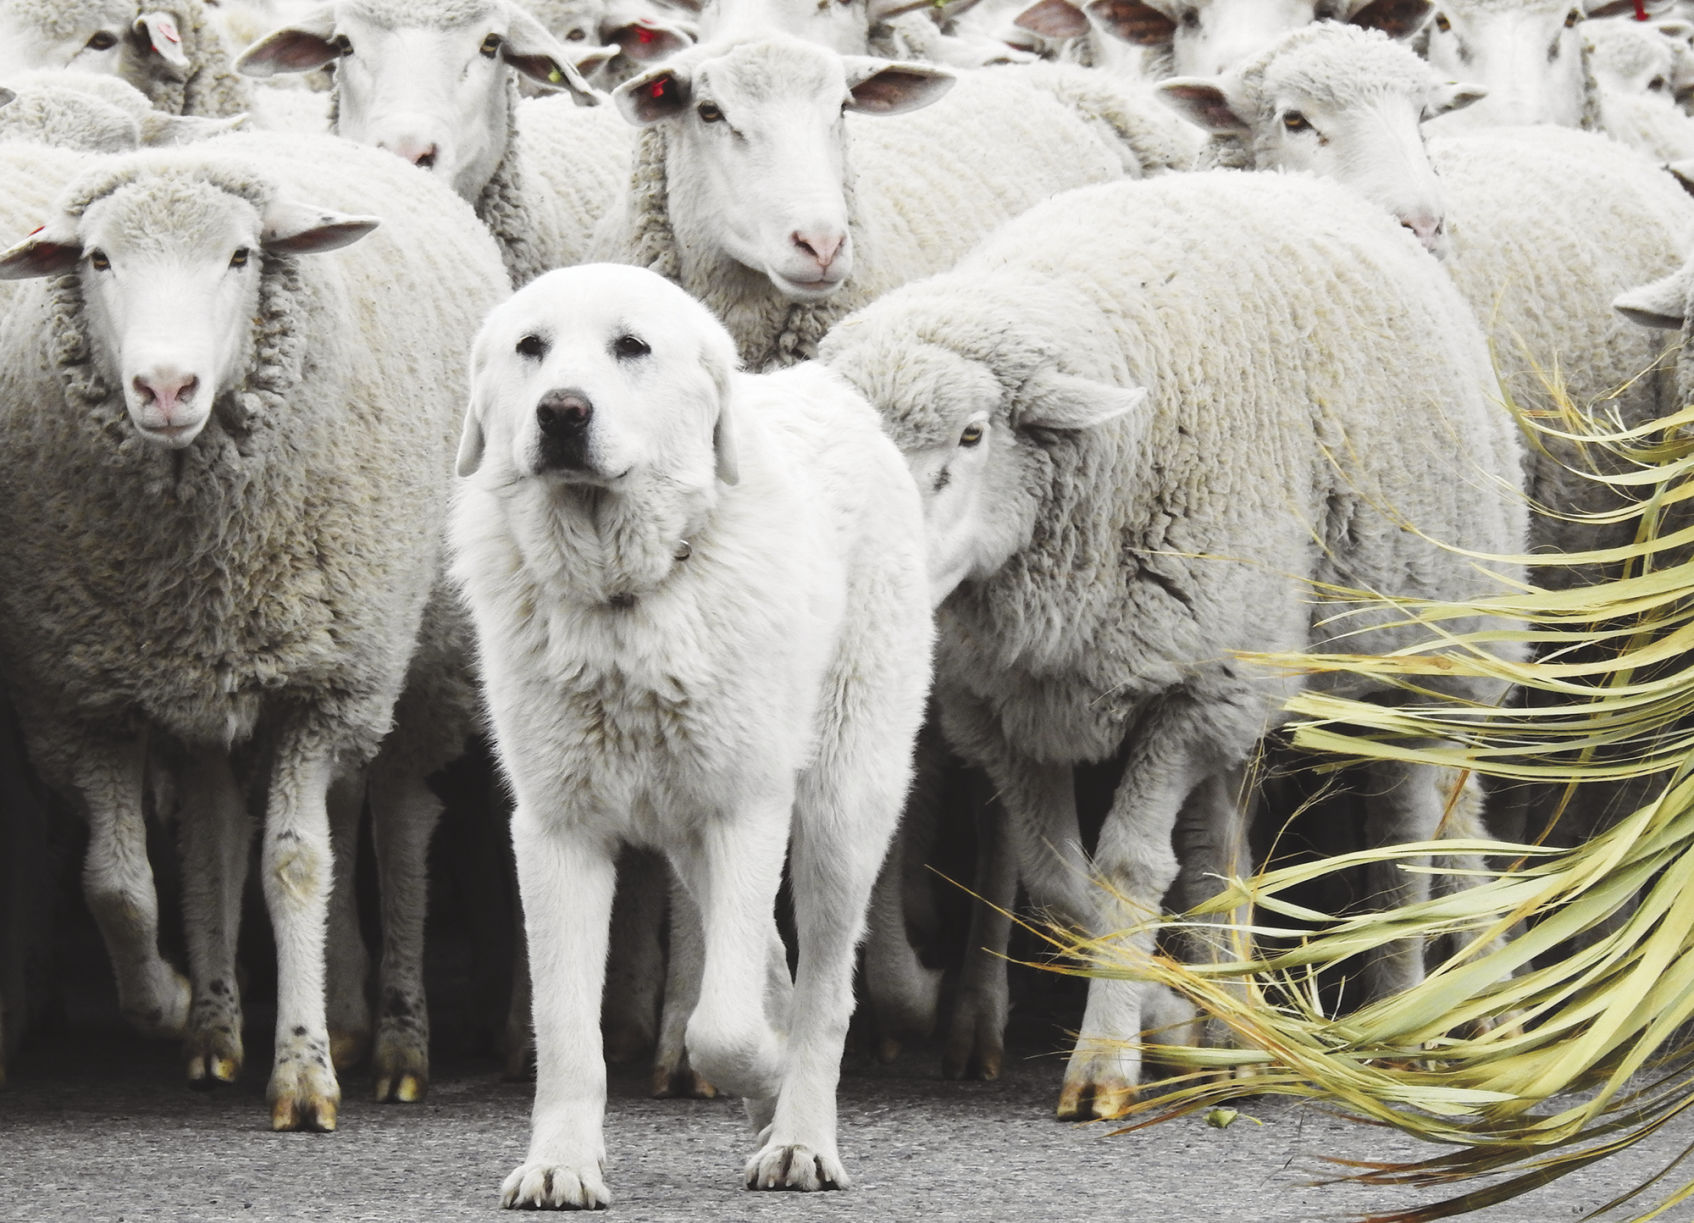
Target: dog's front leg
(566,879)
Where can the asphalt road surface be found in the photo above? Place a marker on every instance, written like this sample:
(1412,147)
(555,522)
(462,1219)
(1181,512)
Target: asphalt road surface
(97,1127)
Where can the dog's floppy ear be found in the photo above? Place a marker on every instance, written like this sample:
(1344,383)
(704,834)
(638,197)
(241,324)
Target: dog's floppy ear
(718,355)
(471,439)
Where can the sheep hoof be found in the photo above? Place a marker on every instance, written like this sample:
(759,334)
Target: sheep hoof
(402,1064)
(401,1089)
(347,1048)
(304,1096)
(795,1166)
(214,1057)
(976,1041)
(541,1186)
(1094,1097)
(681,1082)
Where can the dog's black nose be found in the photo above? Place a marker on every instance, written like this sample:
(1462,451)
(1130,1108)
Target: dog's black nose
(563,417)
(563,413)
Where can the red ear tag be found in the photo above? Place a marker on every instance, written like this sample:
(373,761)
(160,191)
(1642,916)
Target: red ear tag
(1641,10)
(660,88)
(644,35)
(35,231)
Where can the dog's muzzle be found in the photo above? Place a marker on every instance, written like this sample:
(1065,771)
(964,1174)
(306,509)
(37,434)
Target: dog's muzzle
(563,417)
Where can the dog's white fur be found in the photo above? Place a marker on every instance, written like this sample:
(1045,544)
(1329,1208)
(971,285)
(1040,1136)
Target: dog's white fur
(721,702)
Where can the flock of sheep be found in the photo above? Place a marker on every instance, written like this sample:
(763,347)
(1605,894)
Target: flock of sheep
(1150,397)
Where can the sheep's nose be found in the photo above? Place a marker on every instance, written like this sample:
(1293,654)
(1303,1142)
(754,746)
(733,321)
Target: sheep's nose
(419,152)
(563,413)
(165,389)
(1429,229)
(821,245)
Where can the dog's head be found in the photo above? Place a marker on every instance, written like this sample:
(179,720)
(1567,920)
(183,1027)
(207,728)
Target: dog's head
(592,374)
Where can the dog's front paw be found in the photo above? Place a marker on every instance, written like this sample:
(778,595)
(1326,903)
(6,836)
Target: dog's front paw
(544,1186)
(796,1166)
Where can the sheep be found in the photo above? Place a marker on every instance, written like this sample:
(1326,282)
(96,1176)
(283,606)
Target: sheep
(1531,55)
(1637,67)
(1097,563)
(287,419)
(1547,226)
(742,697)
(642,32)
(97,114)
(804,217)
(431,81)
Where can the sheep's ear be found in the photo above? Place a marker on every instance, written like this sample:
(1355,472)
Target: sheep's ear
(880,87)
(1395,18)
(656,94)
(1145,25)
(1664,303)
(1617,8)
(307,44)
(1202,101)
(156,32)
(645,40)
(1053,19)
(719,358)
(1683,173)
(6,95)
(159,129)
(1051,400)
(49,251)
(536,54)
(1448,96)
(300,229)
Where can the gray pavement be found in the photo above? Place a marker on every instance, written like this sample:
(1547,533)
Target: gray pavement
(96,1127)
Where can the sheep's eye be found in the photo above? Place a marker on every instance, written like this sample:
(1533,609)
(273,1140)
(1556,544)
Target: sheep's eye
(628,347)
(1572,17)
(532,346)
(1657,84)
(1191,19)
(709,112)
(577,35)
(1441,23)
(343,45)
(1294,121)
(239,259)
(98,261)
(971,436)
(103,40)
(491,46)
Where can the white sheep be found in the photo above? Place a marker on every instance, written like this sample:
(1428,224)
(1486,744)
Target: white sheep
(703,625)
(1531,56)
(433,82)
(287,416)
(1545,226)
(94,113)
(1098,561)
(641,31)
(888,29)
(751,192)
(1637,67)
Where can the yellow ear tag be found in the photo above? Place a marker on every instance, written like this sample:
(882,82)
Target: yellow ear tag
(556,76)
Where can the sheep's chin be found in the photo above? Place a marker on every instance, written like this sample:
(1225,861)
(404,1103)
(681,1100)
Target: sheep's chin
(805,291)
(170,437)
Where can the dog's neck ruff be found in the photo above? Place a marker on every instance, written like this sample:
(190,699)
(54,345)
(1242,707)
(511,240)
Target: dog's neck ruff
(612,548)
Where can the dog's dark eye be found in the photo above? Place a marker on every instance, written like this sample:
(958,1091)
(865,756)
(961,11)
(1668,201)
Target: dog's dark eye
(628,347)
(102,40)
(491,46)
(971,436)
(532,346)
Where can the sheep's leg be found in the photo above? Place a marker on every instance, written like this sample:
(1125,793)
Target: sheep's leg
(1211,849)
(976,1040)
(566,879)
(117,881)
(216,832)
(346,962)
(848,811)
(685,962)
(404,813)
(298,875)
(1405,804)
(635,972)
(1136,865)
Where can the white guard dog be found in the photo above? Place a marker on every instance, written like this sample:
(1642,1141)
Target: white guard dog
(704,622)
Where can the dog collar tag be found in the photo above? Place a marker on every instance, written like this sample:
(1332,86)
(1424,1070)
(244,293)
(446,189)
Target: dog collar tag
(684,550)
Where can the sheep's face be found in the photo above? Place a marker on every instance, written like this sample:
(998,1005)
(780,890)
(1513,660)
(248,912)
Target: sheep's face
(87,36)
(598,374)
(1341,104)
(1634,60)
(843,26)
(757,153)
(974,447)
(433,93)
(1207,37)
(170,275)
(1528,55)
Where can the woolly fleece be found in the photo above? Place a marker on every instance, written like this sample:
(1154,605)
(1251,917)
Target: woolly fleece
(211,87)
